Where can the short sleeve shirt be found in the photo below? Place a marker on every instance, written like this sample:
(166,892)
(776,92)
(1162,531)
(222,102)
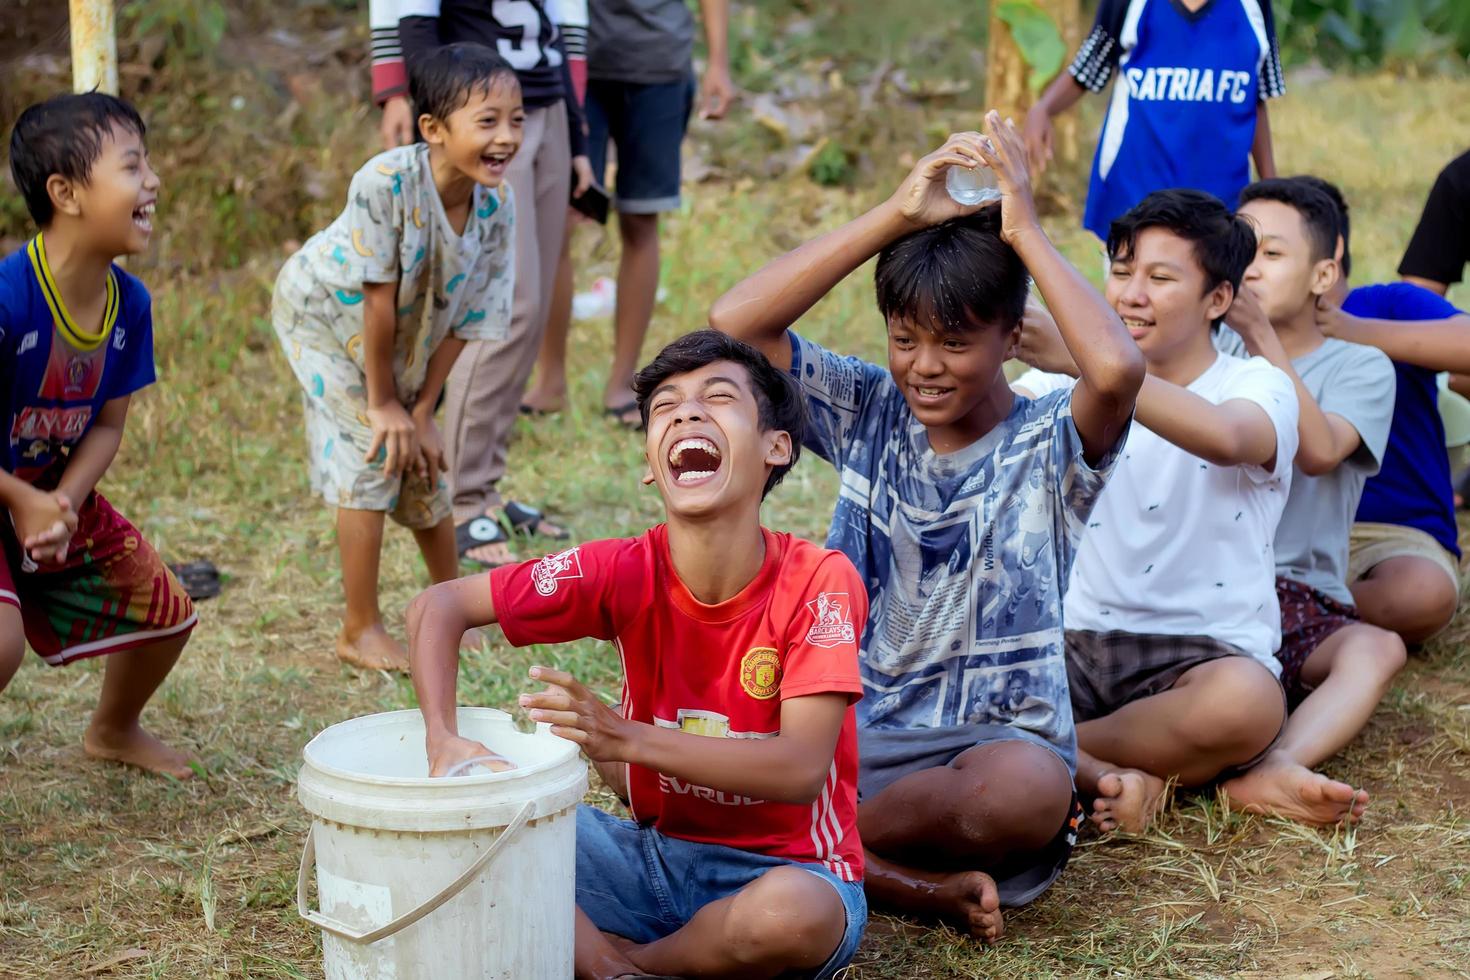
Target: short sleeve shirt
(964,555)
(717,670)
(643,42)
(1183,111)
(1181,547)
(51,389)
(1357,384)
(1412,488)
(394,230)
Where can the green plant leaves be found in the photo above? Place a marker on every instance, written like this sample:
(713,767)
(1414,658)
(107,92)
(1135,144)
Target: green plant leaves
(1037,37)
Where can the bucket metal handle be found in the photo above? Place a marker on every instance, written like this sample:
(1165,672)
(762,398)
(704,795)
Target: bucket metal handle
(342,929)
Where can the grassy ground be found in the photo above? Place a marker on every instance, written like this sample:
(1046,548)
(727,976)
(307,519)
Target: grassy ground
(105,870)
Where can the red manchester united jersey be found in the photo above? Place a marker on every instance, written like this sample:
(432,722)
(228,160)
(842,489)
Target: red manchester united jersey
(716,670)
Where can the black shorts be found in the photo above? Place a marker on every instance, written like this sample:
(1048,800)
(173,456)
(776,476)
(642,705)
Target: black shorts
(647,125)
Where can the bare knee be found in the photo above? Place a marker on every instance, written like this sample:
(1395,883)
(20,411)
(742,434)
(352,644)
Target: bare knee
(1019,793)
(1239,710)
(638,229)
(1411,596)
(787,919)
(1367,653)
(12,650)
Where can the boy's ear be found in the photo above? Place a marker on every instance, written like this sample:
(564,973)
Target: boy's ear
(1325,274)
(1220,299)
(432,129)
(63,194)
(778,451)
(1013,349)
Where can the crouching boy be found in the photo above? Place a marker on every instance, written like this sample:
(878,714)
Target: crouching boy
(734,745)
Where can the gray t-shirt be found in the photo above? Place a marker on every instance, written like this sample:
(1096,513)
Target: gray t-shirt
(647,42)
(1357,383)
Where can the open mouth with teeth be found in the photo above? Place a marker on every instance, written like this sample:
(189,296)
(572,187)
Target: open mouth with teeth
(495,161)
(143,216)
(1135,326)
(693,460)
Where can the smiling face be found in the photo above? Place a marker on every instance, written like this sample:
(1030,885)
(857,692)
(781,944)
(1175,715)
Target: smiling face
(706,449)
(1286,275)
(1161,292)
(946,377)
(479,138)
(117,198)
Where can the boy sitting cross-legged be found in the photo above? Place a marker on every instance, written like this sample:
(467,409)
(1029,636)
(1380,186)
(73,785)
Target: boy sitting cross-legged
(1172,620)
(744,859)
(961,505)
(1404,553)
(76,342)
(1335,667)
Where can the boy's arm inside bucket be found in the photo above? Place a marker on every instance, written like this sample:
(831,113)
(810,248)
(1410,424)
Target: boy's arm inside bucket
(437,618)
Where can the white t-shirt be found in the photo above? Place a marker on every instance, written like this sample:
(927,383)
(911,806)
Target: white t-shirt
(1179,546)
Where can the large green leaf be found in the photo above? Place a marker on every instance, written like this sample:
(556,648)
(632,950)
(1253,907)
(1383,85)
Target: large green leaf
(1037,37)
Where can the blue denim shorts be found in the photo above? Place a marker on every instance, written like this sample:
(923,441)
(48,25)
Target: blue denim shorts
(634,882)
(647,124)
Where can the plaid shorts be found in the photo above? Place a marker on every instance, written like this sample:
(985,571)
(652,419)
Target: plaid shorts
(112,593)
(1108,670)
(1307,618)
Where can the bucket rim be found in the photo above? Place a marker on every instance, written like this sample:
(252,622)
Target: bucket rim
(485,779)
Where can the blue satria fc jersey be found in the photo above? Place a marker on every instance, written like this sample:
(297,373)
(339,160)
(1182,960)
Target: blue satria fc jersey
(1183,109)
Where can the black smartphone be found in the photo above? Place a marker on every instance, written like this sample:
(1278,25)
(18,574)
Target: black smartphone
(593,203)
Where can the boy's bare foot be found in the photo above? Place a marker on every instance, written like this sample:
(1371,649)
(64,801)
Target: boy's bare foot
(1282,788)
(966,900)
(1127,800)
(372,649)
(136,747)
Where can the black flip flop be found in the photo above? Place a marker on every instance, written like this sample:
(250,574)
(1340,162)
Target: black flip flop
(475,532)
(617,412)
(524,519)
(200,579)
(537,413)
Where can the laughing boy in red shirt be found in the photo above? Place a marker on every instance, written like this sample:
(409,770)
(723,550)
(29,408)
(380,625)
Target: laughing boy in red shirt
(735,746)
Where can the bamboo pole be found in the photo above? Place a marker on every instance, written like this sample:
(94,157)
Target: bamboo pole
(93,46)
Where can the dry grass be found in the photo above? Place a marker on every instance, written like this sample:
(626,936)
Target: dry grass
(149,877)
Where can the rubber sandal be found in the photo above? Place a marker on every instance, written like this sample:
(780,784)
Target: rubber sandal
(479,531)
(537,413)
(524,519)
(200,579)
(617,412)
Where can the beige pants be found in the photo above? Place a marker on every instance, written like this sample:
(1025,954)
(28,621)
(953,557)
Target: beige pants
(484,390)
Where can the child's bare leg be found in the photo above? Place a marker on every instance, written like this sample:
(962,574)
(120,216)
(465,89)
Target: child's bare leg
(597,956)
(1411,596)
(549,394)
(787,920)
(1218,714)
(12,643)
(441,557)
(129,680)
(364,642)
(637,293)
(991,808)
(1350,671)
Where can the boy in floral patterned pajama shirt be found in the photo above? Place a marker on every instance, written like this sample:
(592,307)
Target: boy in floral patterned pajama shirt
(373,311)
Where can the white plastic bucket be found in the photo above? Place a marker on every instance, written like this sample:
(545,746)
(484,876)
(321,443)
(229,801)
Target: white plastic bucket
(462,877)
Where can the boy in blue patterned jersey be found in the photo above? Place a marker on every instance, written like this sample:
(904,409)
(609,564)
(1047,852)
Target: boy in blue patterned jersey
(76,342)
(961,505)
(1188,107)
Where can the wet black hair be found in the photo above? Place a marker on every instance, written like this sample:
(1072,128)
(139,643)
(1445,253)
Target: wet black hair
(778,398)
(1319,212)
(64,135)
(441,80)
(1224,243)
(1344,225)
(953,277)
